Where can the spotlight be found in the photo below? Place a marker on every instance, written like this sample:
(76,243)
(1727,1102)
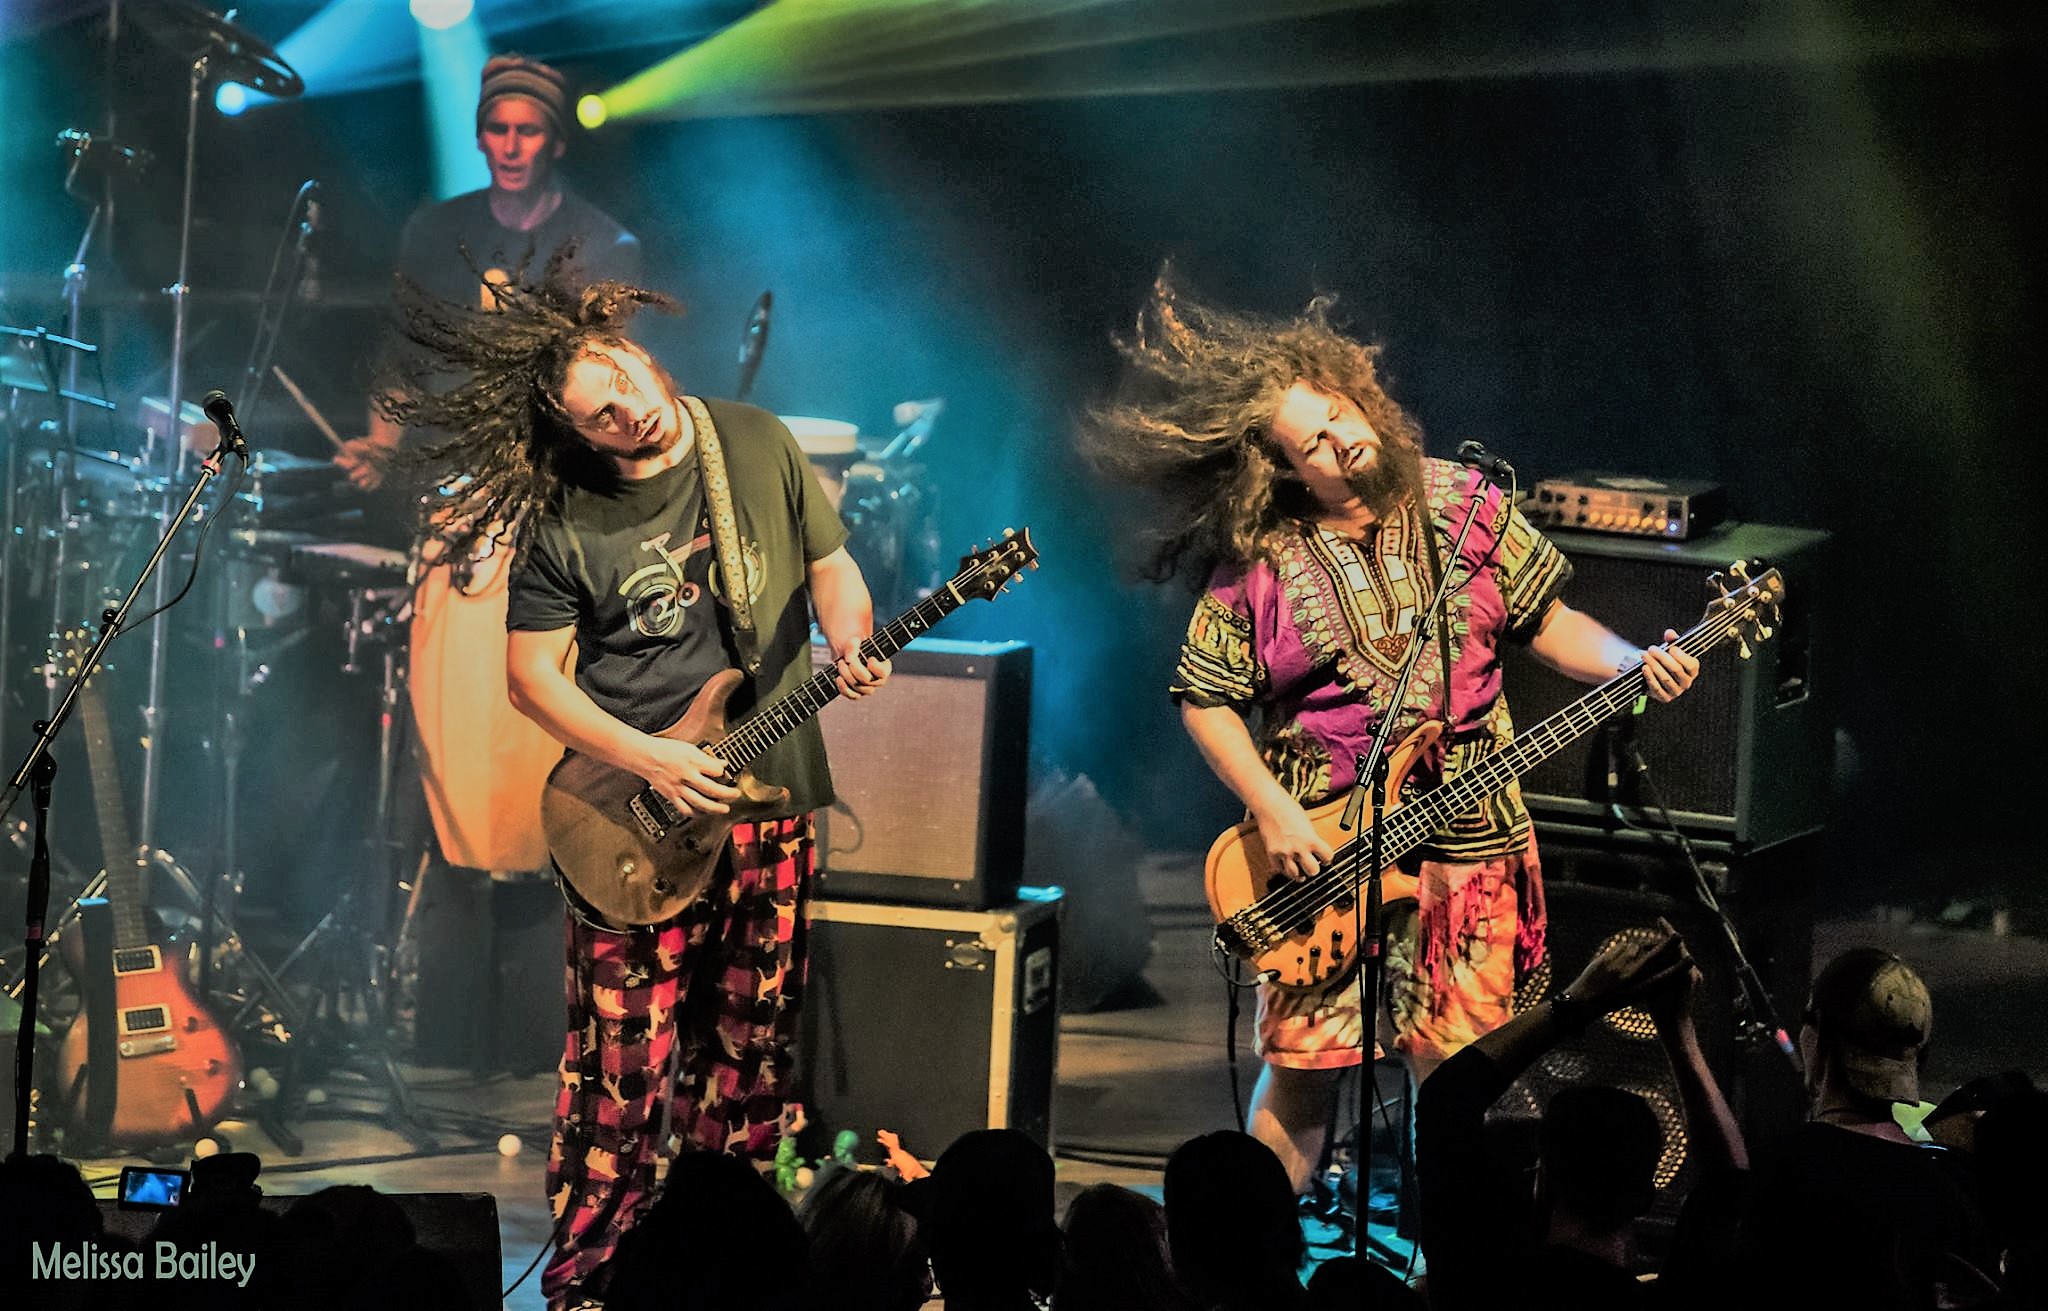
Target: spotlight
(590,111)
(441,14)
(231,99)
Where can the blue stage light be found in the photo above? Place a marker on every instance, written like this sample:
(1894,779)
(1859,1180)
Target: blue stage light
(231,99)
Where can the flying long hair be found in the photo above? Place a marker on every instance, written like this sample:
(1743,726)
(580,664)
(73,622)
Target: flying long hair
(1190,429)
(486,385)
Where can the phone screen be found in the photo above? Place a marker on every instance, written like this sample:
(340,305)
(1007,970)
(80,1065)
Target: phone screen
(145,1188)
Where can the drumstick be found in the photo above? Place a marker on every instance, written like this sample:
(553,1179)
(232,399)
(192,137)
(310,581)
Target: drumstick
(319,421)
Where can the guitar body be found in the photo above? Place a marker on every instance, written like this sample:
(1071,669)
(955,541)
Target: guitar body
(169,1069)
(629,858)
(168,1045)
(1301,933)
(1322,945)
(624,863)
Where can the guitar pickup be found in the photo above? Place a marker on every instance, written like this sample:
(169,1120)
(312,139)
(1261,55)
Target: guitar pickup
(137,960)
(643,815)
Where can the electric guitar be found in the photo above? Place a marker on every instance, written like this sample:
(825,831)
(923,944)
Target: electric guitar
(628,856)
(175,1068)
(1301,933)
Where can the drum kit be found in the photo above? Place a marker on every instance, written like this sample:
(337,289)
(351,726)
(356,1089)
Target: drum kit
(83,523)
(882,495)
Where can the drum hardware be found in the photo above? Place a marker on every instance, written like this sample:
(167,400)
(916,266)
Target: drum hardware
(352,1013)
(36,371)
(883,497)
(280,289)
(218,50)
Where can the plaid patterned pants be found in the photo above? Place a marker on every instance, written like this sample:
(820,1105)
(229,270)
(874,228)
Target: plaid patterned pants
(708,1000)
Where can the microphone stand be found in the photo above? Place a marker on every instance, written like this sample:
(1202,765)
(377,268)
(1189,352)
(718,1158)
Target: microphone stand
(1370,786)
(38,768)
(1760,1020)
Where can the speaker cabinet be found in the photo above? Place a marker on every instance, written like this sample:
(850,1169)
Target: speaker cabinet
(1747,754)
(1600,888)
(930,778)
(929,1022)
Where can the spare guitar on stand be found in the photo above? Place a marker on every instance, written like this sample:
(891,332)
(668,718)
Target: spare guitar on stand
(166,1070)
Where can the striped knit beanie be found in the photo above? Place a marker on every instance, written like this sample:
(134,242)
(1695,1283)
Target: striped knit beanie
(516,75)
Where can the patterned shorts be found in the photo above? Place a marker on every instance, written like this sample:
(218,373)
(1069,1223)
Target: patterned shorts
(706,1004)
(1468,989)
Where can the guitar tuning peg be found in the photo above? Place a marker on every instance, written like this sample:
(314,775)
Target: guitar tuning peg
(1008,533)
(1740,569)
(1742,650)
(1764,632)
(1033,565)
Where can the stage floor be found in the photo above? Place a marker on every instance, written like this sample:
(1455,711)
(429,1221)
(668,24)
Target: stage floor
(1132,1082)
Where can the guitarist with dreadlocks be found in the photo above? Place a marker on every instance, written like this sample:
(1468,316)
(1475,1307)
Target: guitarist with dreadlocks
(1301,506)
(659,539)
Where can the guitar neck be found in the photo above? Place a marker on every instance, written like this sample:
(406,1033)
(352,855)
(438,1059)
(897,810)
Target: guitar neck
(1415,823)
(117,849)
(752,736)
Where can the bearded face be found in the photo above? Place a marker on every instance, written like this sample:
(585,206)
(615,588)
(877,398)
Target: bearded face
(1339,455)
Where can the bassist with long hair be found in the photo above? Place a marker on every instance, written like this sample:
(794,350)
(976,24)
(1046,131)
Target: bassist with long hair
(1298,501)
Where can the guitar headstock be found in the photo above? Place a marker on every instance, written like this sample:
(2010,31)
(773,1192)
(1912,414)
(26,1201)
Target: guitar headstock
(1757,603)
(985,573)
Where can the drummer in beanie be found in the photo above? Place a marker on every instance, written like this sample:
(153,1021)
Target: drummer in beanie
(521,219)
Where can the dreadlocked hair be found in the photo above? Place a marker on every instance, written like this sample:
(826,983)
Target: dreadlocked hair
(1190,429)
(501,447)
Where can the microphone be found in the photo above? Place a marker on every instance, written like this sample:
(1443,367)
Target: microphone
(222,412)
(754,343)
(88,151)
(1490,466)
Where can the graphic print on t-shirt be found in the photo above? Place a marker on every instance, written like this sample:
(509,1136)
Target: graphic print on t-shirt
(658,595)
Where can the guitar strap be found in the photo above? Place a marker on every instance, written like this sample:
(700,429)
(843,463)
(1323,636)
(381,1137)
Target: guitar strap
(725,525)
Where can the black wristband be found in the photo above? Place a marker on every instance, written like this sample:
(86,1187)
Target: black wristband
(1571,1014)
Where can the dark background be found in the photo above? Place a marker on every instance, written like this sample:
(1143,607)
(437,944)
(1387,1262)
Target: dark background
(1790,249)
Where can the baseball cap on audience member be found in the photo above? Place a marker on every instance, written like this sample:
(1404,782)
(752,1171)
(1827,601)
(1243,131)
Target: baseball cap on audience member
(1871,1009)
(516,75)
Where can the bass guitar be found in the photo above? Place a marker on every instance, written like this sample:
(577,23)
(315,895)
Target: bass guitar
(1300,933)
(628,856)
(175,1068)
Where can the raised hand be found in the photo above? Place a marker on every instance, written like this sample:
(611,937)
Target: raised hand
(1629,971)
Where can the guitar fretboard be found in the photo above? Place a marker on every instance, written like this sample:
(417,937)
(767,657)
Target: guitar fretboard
(1414,823)
(761,730)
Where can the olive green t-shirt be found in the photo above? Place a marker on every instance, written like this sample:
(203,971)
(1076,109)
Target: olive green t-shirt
(631,568)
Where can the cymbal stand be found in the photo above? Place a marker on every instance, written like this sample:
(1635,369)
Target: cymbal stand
(353,964)
(173,458)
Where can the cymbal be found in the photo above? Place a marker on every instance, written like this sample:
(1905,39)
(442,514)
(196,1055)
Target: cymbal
(18,373)
(234,52)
